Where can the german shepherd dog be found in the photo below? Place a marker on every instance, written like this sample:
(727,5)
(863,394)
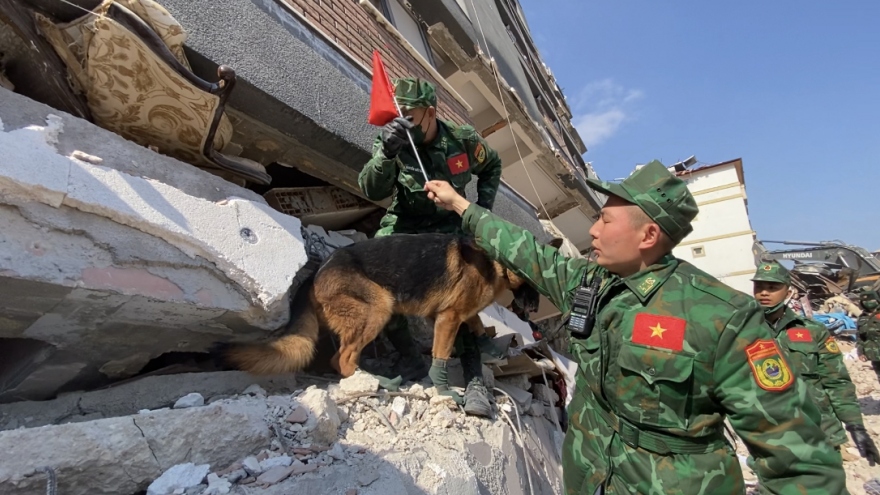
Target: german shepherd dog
(358,288)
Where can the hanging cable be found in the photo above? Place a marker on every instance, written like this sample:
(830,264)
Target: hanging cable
(495,74)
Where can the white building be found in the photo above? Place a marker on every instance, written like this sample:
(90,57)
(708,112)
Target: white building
(722,240)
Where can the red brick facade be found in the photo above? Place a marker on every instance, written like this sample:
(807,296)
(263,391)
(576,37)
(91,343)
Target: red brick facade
(351,27)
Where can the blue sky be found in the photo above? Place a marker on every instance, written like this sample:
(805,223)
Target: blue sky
(791,87)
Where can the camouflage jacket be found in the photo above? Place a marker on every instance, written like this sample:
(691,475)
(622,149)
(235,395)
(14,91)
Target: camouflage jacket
(869,335)
(816,359)
(674,352)
(455,155)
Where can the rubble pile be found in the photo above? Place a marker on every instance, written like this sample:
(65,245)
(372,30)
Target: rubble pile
(219,434)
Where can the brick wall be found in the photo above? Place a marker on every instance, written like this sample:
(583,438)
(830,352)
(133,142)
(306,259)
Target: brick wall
(350,26)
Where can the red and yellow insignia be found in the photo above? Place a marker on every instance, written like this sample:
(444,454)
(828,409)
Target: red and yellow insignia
(831,345)
(799,335)
(770,369)
(665,332)
(480,153)
(458,163)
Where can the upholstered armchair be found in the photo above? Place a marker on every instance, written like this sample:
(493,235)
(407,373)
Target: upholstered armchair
(127,57)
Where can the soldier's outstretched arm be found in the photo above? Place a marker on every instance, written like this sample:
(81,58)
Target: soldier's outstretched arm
(377,177)
(768,408)
(551,273)
(488,172)
(836,380)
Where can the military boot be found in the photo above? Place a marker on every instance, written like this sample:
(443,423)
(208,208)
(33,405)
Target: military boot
(476,399)
(410,365)
(476,395)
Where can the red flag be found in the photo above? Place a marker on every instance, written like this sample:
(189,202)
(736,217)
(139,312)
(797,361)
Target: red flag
(665,332)
(799,335)
(458,163)
(382,108)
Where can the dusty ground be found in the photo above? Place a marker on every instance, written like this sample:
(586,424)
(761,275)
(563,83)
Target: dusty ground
(858,472)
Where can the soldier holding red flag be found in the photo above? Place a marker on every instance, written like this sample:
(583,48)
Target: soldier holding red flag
(441,150)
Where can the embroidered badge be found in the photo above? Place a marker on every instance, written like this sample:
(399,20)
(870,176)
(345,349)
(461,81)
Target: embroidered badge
(665,332)
(770,369)
(480,153)
(647,284)
(831,345)
(767,268)
(458,163)
(799,335)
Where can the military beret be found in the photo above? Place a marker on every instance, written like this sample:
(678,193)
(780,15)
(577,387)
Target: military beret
(660,194)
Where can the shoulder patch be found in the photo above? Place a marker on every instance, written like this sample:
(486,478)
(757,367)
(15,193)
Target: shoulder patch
(480,153)
(799,335)
(831,345)
(769,368)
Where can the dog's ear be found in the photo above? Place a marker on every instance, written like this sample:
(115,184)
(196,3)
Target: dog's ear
(556,242)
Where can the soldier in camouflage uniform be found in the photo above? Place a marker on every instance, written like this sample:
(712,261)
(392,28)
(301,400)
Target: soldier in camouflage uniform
(869,328)
(672,352)
(815,358)
(450,152)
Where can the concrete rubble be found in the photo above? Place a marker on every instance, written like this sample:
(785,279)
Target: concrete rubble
(411,441)
(105,238)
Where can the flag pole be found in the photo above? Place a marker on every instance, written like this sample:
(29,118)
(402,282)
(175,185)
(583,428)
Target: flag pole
(415,151)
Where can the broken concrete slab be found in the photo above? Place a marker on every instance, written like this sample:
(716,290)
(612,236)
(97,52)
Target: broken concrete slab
(226,429)
(151,392)
(106,456)
(172,256)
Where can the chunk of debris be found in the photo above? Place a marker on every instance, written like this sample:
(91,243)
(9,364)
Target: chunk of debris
(399,406)
(217,485)
(272,462)
(275,475)
(367,477)
(299,415)
(254,389)
(181,476)
(252,466)
(358,383)
(194,399)
(323,421)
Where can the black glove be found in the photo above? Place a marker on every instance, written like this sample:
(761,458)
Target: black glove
(394,136)
(864,443)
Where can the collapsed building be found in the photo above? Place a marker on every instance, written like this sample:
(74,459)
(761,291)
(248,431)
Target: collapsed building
(172,171)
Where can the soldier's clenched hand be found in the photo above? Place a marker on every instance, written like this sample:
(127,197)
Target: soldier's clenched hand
(394,135)
(445,196)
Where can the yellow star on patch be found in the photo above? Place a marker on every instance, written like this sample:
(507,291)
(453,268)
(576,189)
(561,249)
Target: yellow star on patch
(657,331)
(800,335)
(458,164)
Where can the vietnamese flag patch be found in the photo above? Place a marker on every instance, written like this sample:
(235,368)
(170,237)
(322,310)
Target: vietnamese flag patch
(799,335)
(665,332)
(458,163)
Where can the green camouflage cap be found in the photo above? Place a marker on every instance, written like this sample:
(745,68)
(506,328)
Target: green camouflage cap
(660,194)
(771,271)
(414,92)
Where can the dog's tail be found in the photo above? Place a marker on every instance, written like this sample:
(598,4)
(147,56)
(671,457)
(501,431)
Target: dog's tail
(289,353)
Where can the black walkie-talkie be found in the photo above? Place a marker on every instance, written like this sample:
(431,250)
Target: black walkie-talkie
(583,311)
